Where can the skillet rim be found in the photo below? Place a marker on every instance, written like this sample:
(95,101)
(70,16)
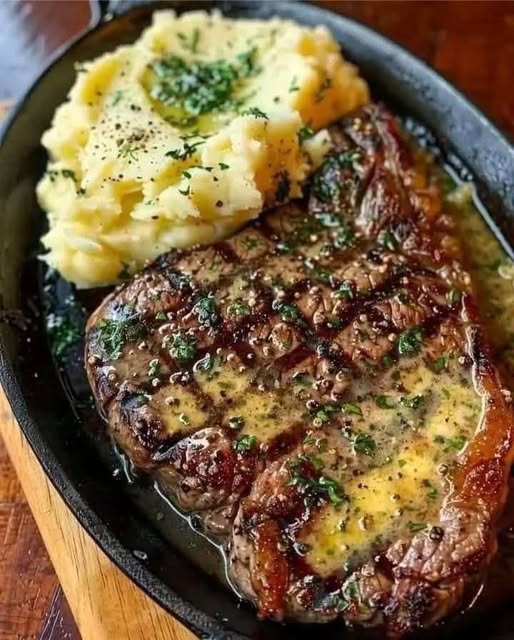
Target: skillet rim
(193,617)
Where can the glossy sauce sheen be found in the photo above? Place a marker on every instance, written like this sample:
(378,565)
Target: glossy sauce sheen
(393,463)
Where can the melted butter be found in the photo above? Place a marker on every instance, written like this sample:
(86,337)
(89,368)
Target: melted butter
(399,490)
(266,415)
(178,409)
(223,382)
(492,274)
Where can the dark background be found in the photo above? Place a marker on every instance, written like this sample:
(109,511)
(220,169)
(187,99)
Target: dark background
(471,43)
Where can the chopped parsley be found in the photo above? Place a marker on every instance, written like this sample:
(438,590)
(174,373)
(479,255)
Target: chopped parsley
(294,85)
(208,364)
(186,152)
(348,594)
(410,341)
(384,402)
(129,150)
(326,184)
(325,412)
(238,308)
(412,403)
(351,408)
(117,97)
(154,368)
(454,296)
(302,379)
(305,133)
(245,444)
(388,240)
(440,364)
(344,237)
(328,219)
(364,443)
(191,43)
(322,485)
(200,87)
(288,312)
(113,334)
(161,316)
(255,112)
(63,334)
(236,422)
(432,493)
(320,94)
(206,311)
(183,347)
(456,443)
(346,290)
(415,527)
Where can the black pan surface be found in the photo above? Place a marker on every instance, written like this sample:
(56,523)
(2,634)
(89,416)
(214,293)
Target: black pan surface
(151,542)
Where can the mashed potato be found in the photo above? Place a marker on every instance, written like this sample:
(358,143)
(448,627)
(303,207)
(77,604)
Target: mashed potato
(185,135)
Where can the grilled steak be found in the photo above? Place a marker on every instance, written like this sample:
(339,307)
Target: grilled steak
(319,389)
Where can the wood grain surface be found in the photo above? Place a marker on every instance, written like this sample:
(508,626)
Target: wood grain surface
(471,43)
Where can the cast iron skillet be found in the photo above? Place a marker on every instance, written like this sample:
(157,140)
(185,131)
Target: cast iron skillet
(54,425)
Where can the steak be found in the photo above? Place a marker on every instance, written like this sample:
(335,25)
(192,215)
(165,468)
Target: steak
(318,388)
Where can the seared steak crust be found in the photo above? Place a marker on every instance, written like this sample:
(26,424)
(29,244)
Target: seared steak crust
(318,388)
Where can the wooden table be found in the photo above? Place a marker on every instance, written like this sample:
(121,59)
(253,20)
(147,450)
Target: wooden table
(471,43)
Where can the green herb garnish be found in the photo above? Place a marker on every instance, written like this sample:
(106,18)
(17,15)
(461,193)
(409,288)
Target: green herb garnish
(410,341)
(351,408)
(456,443)
(200,87)
(364,443)
(454,296)
(206,311)
(239,308)
(245,444)
(113,334)
(183,347)
(412,403)
(388,240)
(346,290)
(294,85)
(384,402)
(236,422)
(63,334)
(440,364)
(117,97)
(255,112)
(186,152)
(191,43)
(305,133)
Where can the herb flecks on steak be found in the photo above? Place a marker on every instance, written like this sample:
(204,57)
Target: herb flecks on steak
(318,388)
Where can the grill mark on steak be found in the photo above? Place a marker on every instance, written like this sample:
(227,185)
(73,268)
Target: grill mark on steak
(317,353)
